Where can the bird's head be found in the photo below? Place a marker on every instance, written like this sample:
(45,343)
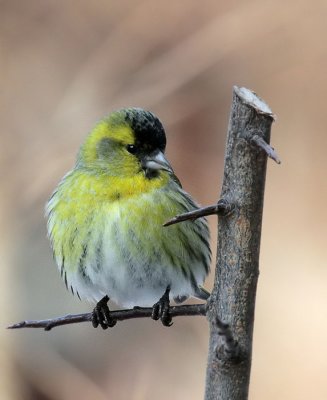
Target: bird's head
(127,142)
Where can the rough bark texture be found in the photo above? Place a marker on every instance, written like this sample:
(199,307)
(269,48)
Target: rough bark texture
(237,269)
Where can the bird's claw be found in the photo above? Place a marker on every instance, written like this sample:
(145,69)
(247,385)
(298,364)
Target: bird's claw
(101,315)
(161,309)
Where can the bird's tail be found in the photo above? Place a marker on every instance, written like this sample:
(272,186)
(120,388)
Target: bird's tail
(201,293)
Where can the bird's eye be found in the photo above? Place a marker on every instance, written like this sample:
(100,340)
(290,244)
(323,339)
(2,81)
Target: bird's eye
(131,148)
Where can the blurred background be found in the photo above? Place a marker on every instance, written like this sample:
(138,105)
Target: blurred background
(66,64)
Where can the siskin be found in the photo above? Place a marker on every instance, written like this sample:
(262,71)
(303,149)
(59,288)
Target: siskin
(105,222)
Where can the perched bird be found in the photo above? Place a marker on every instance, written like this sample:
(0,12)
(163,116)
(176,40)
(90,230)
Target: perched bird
(105,221)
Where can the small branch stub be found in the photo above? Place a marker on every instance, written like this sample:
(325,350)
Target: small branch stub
(270,151)
(230,348)
(222,208)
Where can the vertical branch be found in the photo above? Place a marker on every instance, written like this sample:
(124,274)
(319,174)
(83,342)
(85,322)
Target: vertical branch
(233,298)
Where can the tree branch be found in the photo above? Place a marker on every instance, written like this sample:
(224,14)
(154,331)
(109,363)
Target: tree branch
(222,208)
(119,315)
(237,267)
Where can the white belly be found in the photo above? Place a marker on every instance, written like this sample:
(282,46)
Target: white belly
(131,284)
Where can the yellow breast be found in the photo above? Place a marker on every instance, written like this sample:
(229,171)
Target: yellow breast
(79,207)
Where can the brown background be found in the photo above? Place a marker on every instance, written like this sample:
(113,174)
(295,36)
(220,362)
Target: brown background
(64,65)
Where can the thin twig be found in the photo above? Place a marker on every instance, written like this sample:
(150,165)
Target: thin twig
(270,151)
(223,207)
(119,315)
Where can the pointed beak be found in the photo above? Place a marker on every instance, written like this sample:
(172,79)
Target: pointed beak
(156,161)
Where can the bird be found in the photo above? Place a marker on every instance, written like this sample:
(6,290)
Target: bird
(105,222)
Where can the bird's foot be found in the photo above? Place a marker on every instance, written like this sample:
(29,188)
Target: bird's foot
(101,315)
(161,309)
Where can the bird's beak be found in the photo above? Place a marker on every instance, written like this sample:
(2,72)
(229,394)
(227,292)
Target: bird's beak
(156,161)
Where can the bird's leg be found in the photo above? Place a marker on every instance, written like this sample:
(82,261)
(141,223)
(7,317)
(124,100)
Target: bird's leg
(101,315)
(161,309)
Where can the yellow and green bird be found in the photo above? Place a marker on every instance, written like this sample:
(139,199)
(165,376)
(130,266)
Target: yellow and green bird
(105,221)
